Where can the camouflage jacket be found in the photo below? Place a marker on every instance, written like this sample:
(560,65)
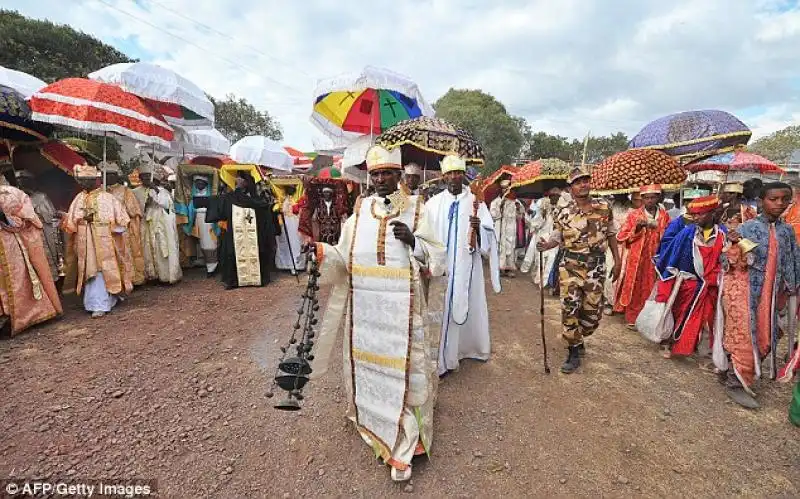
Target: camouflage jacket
(581,232)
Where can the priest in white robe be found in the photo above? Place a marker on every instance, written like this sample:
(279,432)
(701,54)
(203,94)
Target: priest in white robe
(541,227)
(159,231)
(390,352)
(505,212)
(455,215)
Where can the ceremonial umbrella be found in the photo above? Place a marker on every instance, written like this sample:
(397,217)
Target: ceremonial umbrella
(98,108)
(178,99)
(537,177)
(735,161)
(23,83)
(425,140)
(329,172)
(625,172)
(207,141)
(15,119)
(491,185)
(366,103)
(693,133)
(52,163)
(260,150)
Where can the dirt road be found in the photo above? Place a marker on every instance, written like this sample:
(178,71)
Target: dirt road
(171,387)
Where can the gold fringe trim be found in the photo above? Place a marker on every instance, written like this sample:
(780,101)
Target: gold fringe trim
(431,150)
(380,272)
(743,133)
(398,363)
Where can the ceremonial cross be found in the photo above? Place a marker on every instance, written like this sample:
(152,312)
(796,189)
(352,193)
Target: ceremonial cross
(391,104)
(249,218)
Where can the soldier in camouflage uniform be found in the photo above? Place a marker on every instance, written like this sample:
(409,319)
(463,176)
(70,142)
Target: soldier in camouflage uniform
(584,228)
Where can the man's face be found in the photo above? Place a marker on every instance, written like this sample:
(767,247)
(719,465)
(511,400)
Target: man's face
(241,183)
(775,202)
(88,183)
(385,181)
(580,187)
(728,197)
(650,200)
(704,220)
(454,181)
(554,195)
(413,180)
(200,184)
(327,194)
(147,179)
(636,200)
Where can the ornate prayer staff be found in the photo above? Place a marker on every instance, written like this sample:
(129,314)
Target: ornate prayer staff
(292,372)
(476,186)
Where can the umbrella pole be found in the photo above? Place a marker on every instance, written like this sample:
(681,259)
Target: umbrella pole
(104,161)
(541,311)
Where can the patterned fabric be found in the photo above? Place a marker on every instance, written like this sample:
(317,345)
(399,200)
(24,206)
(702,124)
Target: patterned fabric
(581,285)
(133,236)
(737,340)
(627,171)
(581,232)
(733,217)
(433,135)
(693,132)
(735,161)
(505,212)
(639,274)
(47,214)
(787,271)
(15,118)
(28,295)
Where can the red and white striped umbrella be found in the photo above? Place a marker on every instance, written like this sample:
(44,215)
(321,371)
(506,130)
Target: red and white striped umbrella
(98,108)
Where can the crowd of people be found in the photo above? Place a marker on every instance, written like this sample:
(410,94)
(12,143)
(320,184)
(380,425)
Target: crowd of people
(408,271)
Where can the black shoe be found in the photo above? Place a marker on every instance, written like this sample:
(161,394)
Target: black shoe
(581,349)
(573,361)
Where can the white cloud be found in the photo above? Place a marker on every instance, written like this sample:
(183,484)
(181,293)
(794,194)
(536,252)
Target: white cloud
(567,66)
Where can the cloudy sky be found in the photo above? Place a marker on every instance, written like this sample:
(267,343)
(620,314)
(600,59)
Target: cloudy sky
(568,66)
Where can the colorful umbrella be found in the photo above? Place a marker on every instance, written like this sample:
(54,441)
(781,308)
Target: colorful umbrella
(329,172)
(180,101)
(491,185)
(735,161)
(627,171)
(98,108)
(23,83)
(693,133)
(432,138)
(15,119)
(535,178)
(366,103)
(260,150)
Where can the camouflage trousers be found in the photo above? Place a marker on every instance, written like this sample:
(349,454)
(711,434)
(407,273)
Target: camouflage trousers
(581,281)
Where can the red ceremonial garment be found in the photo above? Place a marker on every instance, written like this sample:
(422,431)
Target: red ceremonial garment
(737,339)
(639,274)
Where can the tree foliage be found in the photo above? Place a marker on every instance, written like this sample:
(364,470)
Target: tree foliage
(779,145)
(237,118)
(487,119)
(540,145)
(51,51)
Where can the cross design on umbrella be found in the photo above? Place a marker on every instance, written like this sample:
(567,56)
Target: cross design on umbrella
(390,104)
(249,218)
(350,95)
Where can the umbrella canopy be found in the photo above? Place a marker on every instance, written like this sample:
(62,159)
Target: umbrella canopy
(491,185)
(368,102)
(177,98)
(329,172)
(15,119)
(537,177)
(98,108)
(693,133)
(260,150)
(208,141)
(23,83)
(735,161)
(52,164)
(432,138)
(215,161)
(627,171)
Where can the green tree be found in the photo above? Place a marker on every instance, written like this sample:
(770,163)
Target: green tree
(487,119)
(543,145)
(51,51)
(779,145)
(237,118)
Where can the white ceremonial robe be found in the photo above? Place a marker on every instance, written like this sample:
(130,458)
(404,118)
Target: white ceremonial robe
(504,215)
(389,347)
(289,235)
(465,318)
(542,227)
(160,238)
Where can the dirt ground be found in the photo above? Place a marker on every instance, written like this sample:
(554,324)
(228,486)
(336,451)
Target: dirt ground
(171,386)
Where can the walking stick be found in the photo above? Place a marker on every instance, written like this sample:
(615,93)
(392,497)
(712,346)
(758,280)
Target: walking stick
(289,243)
(541,311)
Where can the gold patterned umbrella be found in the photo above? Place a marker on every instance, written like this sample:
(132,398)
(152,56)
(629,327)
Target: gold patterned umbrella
(433,136)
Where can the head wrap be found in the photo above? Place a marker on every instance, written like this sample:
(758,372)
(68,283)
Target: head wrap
(378,158)
(650,189)
(327,189)
(733,187)
(577,173)
(702,205)
(412,169)
(452,163)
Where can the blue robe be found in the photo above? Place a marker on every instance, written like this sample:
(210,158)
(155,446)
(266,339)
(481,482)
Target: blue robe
(788,272)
